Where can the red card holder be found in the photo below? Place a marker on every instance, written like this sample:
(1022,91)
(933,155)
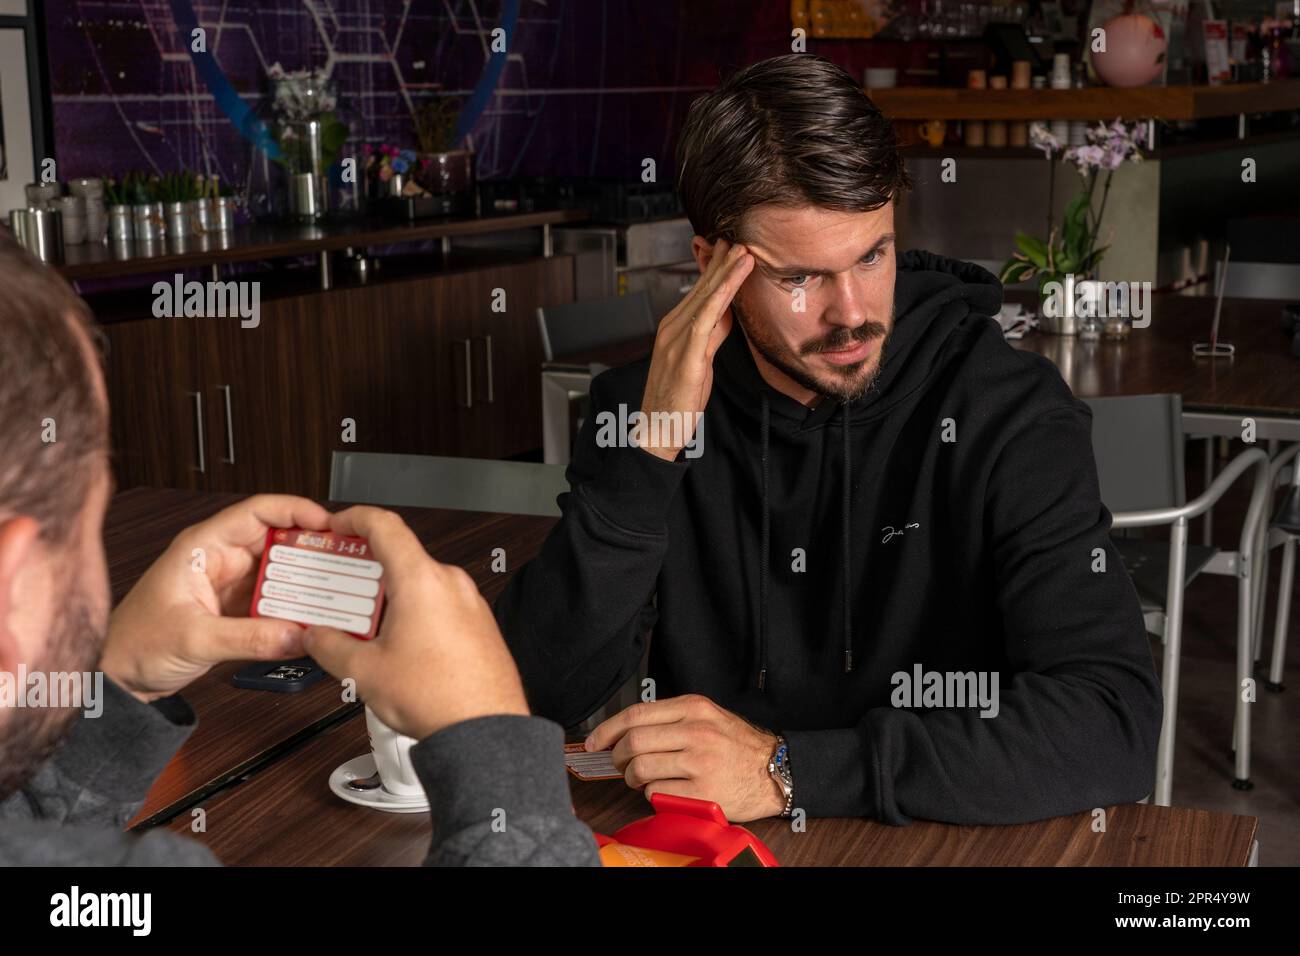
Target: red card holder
(319,577)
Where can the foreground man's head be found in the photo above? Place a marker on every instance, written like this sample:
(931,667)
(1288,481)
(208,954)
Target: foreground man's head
(54,490)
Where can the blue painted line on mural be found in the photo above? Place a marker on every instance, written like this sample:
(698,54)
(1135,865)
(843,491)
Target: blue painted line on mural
(487,81)
(228,101)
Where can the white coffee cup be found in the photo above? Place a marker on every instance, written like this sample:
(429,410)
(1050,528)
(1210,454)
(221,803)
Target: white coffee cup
(392,753)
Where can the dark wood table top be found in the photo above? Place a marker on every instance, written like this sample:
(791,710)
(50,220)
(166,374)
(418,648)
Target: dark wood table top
(240,729)
(1262,378)
(287,816)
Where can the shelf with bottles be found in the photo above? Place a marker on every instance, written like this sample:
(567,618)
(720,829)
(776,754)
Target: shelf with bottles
(1184,102)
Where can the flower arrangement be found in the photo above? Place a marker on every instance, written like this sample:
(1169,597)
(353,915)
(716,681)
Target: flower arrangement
(1074,250)
(385,161)
(301,94)
(298,97)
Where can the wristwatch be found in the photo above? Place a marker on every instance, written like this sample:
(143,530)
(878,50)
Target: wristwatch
(779,770)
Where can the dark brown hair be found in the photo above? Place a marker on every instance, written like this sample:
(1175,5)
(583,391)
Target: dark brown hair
(794,130)
(46,372)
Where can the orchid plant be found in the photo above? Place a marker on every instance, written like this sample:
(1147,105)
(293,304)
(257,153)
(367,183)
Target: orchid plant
(1073,250)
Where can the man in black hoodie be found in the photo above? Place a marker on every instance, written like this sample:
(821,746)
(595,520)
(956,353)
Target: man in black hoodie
(866,533)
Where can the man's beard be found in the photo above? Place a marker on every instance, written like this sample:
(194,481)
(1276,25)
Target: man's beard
(29,735)
(844,383)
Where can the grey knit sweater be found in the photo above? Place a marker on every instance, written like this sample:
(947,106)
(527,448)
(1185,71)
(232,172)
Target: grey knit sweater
(72,811)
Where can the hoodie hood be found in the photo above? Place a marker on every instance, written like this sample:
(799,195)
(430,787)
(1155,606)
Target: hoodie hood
(934,297)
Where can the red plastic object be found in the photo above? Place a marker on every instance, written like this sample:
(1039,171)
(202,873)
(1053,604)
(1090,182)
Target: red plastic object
(693,828)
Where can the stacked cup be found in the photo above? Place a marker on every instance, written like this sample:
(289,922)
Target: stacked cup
(41,195)
(92,191)
(73,212)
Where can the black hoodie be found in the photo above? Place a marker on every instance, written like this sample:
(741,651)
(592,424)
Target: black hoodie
(949,521)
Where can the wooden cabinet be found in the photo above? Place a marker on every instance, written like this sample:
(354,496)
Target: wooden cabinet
(416,366)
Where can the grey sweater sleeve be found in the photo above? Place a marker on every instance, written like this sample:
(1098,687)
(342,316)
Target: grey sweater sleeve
(499,795)
(72,810)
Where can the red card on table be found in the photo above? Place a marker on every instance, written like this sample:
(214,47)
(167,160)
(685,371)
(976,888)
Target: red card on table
(319,577)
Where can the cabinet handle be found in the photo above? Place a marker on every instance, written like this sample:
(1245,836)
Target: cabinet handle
(469,375)
(487,357)
(198,426)
(230,428)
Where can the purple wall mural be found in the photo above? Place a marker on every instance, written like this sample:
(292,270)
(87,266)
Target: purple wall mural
(590,87)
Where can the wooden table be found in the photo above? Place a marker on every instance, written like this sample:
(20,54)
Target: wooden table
(1262,380)
(284,748)
(240,730)
(287,816)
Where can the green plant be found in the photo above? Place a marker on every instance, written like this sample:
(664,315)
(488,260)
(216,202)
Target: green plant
(147,189)
(435,124)
(1073,250)
(114,194)
(181,186)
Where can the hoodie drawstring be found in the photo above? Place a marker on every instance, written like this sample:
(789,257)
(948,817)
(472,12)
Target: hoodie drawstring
(846,553)
(764,558)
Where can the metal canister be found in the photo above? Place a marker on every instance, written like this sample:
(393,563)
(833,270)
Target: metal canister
(223,213)
(200,216)
(304,198)
(147,221)
(40,231)
(19,225)
(178,220)
(120,227)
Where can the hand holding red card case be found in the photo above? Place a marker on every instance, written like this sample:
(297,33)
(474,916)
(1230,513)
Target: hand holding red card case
(319,577)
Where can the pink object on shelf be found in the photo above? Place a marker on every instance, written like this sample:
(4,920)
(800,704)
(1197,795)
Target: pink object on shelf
(1135,51)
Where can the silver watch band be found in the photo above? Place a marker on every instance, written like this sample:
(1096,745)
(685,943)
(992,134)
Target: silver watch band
(778,768)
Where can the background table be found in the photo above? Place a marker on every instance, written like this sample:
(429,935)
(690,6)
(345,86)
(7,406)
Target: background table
(1261,380)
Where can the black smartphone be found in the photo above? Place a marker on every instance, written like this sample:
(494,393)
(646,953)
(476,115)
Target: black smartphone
(286,677)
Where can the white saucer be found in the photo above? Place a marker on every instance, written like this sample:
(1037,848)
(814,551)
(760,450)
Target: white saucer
(379,799)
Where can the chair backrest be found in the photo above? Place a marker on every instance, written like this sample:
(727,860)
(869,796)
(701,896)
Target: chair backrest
(462,484)
(1138,443)
(1260,280)
(579,326)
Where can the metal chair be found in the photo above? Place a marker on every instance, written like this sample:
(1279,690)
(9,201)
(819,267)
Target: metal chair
(564,406)
(1138,444)
(462,484)
(1283,530)
(1262,280)
(581,326)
